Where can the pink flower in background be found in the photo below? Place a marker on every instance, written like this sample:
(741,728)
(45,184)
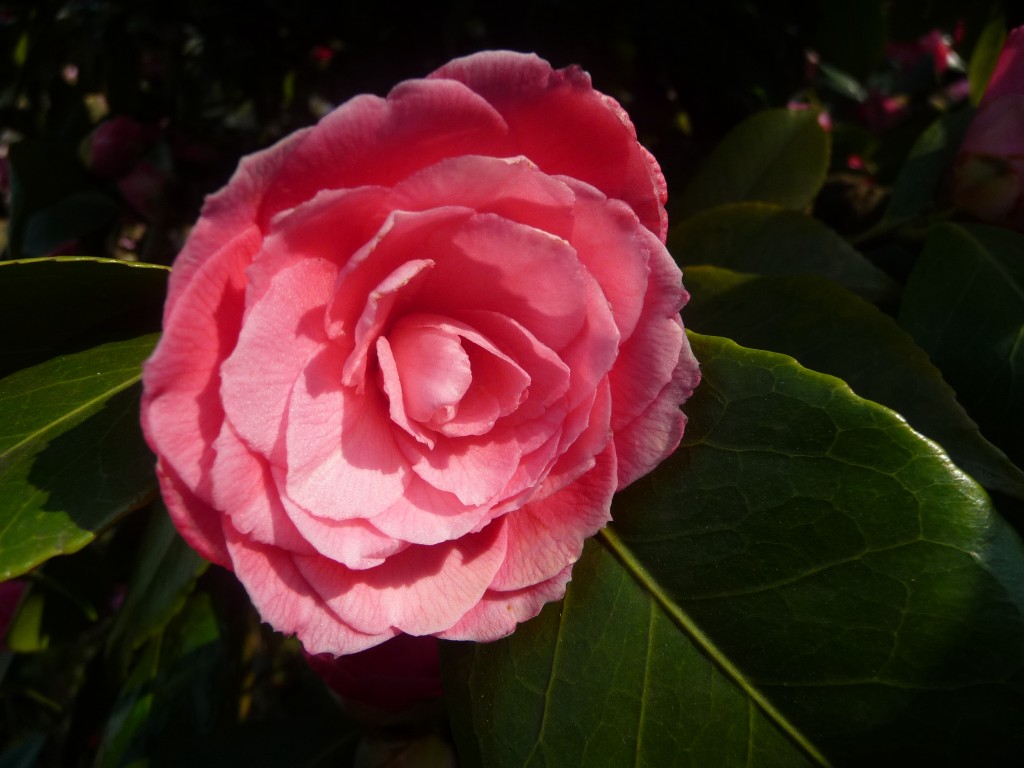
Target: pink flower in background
(390,676)
(934,45)
(116,145)
(409,355)
(988,177)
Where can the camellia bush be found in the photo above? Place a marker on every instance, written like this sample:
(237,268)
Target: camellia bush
(368,400)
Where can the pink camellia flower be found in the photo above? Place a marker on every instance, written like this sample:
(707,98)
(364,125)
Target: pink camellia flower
(409,355)
(988,177)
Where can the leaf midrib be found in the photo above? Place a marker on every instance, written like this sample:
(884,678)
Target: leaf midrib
(707,646)
(54,426)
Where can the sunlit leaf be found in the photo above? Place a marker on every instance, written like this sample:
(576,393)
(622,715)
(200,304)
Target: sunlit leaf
(72,457)
(831,331)
(806,581)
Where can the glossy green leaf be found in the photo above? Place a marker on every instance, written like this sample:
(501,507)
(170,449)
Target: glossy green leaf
(805,581)
(917,186)
(62,304)
(165,572)
(124,737)
(964,304)
(770,240)
(829,330)
(777,156)
(984,57)
(72,457)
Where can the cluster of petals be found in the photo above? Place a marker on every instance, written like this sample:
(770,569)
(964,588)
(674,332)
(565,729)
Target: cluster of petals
(410,353)
(988,178)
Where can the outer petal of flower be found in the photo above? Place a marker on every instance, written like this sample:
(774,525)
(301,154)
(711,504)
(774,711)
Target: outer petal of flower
(423,590)
(546,536)
(659,349)
(181,409)
(369,140)
(229,213)
(243,486)
(592,138)
(199,523)
(497,614)
(649,438)
(286,600)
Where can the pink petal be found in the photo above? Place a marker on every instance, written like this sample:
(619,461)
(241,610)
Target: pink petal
(197,522)
(561,123)
(342,458)
(425,515)
(421,591)
(391,383)
(655,433)
(243,486)
(403,238)
(658,347)
(455,379)
(281,332)
(475,469)
(433,367)
(511,187)
(579,456)
(493,264)
(546,536)
(384,301)
(352,216)
(497,614)
(286,601)
(181,409)
(229,213)
(615,249)
(369,140)
(354,543)
(549,375)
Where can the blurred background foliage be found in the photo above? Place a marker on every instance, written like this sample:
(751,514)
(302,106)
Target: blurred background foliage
(203,83)
(118,116)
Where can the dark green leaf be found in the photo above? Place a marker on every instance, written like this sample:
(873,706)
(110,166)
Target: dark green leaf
(964,304)
(777,156)
(165,572)
(917,185)
(805,580)
(130,717)
(984,56)
(831,331)
(769,240)
(72,457)
(62,304)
